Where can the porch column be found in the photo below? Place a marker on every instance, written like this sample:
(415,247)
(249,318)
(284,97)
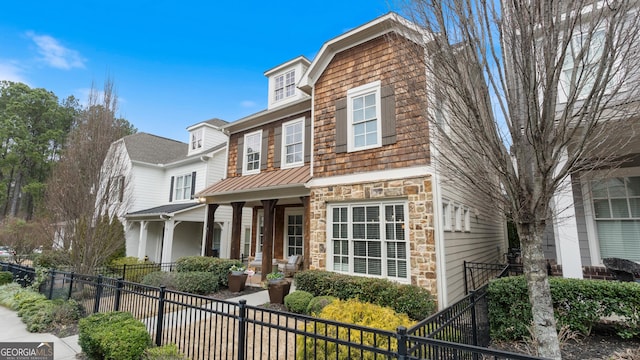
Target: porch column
(236,229)
(267,243)
(565,228)
(167,240)
(209,226)
(142,240)
(306,232)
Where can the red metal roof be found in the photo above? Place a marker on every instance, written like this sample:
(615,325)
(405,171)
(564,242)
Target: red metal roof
(262,181)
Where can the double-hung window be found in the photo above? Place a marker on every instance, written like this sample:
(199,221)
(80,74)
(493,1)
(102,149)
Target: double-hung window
(293,143)
(363,112)
(616,209)
(196,140)
(581,63)
(252,149)
(370,239)
(285,85)
(182,187)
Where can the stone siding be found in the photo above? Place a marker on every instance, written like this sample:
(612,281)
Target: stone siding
(416,191)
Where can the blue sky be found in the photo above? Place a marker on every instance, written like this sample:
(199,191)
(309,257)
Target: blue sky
(174,63)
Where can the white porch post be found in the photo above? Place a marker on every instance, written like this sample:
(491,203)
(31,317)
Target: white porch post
(142,240)
(167,241)
(565,228)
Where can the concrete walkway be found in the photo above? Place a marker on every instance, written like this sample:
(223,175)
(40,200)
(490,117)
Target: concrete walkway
(14,330)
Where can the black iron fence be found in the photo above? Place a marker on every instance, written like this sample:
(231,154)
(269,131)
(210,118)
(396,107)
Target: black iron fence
(206,328)
(477,275)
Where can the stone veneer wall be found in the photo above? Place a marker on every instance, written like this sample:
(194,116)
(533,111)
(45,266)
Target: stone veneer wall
(417,192)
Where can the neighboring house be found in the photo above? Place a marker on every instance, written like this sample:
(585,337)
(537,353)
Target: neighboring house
(152,181)
(339,168)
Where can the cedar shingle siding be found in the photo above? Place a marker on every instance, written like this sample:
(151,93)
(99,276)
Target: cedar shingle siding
(406,143)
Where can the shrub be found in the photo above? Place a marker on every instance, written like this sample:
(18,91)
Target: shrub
(353,312)
(207,264)
(8,294)
(165,352)
(136,269)
(40,314)
(53,259)
(5,277)
(298,301)
(318,303)
(197,282)
(578,304)
(159,278)
(113,335)
(414,301)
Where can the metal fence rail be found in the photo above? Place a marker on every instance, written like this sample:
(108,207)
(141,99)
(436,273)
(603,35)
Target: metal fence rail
(206,328)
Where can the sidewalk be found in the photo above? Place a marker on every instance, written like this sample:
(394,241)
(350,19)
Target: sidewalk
(14,330)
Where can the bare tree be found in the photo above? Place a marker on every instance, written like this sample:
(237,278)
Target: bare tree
(24,237)
(527,94)
(88,187)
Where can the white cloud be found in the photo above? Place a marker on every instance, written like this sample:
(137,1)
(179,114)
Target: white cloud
(248,104)
(9,70)
(56,55)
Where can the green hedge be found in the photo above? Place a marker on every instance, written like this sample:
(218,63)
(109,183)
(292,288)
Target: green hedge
(132,273)
(318,303)
(207,264)
(414,301)
(53,259)
(6,277)
(159,278)
(578,304)
(194,282)
(113,335)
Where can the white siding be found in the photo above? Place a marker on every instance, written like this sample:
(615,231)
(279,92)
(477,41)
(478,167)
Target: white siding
(149,187)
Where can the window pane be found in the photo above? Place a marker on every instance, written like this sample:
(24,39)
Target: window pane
(391,250)
(616,187)
(358,115)
(601,208)
(370,100)
(619,238)
(633,185)
(375,267)
(359,266)
(360,248)
(359,141)
(375,250)
(373,231)
(635,207)
(372,138)
(358,214)
(357,103)
(370,113)
(402,250)
(399,231)
(619,208)
(599,189)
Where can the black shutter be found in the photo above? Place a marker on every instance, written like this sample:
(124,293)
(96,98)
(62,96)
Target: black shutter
(171,190)
(307,139)
(388,113)
(240,155)
(265,148)
(193,184)
(277,146)
(341,125)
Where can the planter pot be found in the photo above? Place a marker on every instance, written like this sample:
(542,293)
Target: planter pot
(237,282)
(237,272)
(278,289)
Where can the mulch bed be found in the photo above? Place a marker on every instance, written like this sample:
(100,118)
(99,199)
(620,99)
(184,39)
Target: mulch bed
(602,343)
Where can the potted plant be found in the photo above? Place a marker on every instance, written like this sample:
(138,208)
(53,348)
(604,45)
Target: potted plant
(237,278)
(278,287)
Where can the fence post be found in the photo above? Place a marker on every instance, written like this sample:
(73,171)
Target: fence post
(52,275)
(96,303)
(160,317)
(116,302)
(466,285)
(474,320)
(124,271)
(70,286)
(242,329)
(401,335)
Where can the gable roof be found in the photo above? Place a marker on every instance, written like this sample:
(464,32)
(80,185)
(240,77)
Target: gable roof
(169,209)
(215,122)
(154,149)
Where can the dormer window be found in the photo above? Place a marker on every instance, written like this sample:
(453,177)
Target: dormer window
(196,140)
(285,85)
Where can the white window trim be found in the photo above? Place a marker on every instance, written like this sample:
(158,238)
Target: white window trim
(466,217)
(589,214)
(329,232)
(283,152)
(285,240)
(175,187)
(446,215)
(359,91)
(457,213)
(197,135)
(245,153)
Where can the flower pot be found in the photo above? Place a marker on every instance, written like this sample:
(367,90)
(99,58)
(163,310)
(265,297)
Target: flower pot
(278,289)
(237,281)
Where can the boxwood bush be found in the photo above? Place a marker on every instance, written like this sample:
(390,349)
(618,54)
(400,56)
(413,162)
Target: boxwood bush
(298,301)
(578,304)
(318,303)
(5,277)
(353,312)
(414,301)
(207,264)
(159,278)
(197,282)
(113,335)
(164,352)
